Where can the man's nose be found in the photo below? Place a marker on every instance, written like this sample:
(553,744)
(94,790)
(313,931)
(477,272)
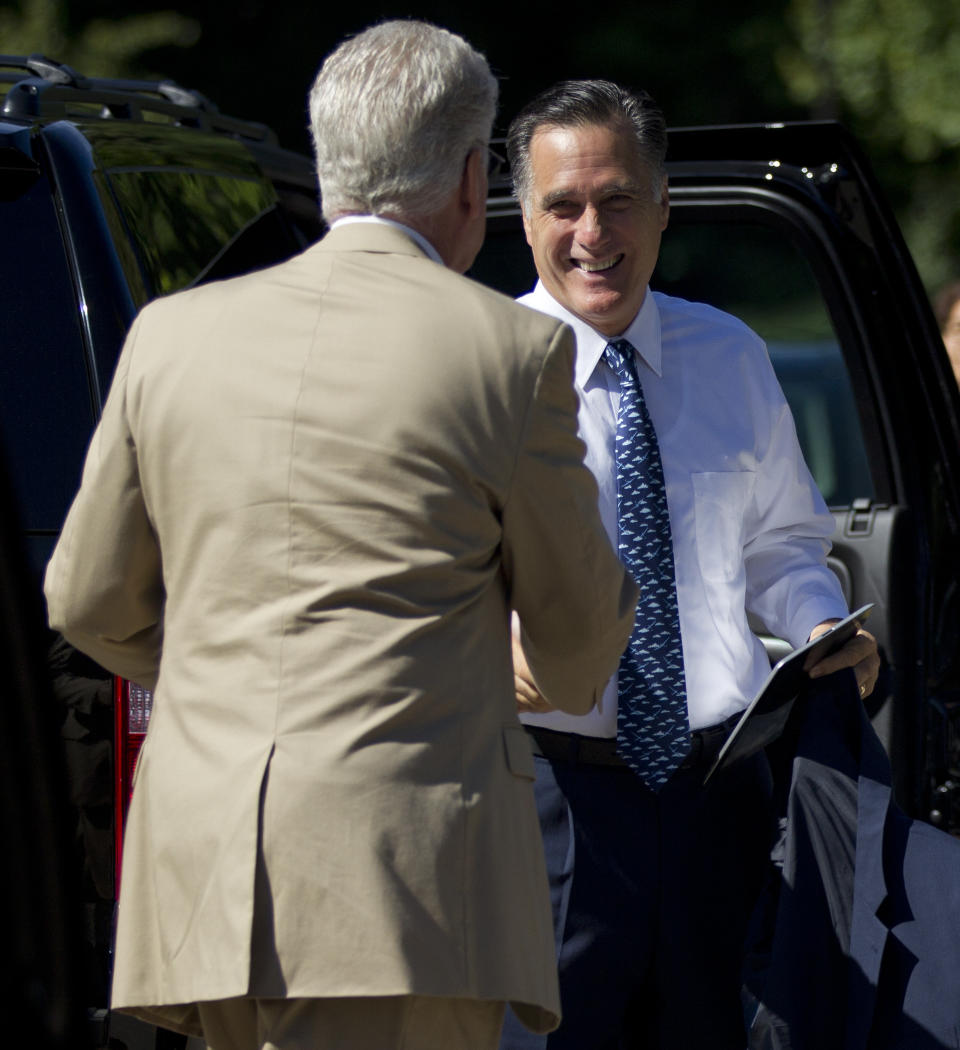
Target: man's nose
(590,228)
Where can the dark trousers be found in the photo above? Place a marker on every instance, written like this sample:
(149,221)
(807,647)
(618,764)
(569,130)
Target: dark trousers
(651,897)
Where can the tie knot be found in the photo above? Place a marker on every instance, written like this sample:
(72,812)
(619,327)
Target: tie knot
(619,355)
(621,347)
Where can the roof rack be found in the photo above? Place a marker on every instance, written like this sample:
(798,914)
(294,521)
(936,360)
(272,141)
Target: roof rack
(41,88)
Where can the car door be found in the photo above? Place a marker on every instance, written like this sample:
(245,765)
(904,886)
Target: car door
(46,968)
(784,226)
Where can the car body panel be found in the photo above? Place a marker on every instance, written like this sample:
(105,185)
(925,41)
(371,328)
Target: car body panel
(102,209)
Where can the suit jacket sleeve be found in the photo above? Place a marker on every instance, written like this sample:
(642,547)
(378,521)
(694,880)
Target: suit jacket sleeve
(574,599)
(104,583)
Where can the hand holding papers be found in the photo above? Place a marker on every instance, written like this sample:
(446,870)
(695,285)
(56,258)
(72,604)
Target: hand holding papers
(764,719)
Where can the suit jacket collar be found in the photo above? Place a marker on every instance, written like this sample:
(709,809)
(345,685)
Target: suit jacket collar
(370,237)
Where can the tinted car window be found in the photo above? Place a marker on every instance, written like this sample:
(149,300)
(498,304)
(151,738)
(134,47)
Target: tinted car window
(46,411)
(181,215)
(181,221)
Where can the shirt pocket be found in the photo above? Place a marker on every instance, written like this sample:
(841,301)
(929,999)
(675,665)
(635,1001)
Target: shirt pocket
(720,501)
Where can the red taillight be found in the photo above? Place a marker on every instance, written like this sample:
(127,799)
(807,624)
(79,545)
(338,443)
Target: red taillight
(132,707)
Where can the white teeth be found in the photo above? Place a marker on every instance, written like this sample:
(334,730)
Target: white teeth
(596,267)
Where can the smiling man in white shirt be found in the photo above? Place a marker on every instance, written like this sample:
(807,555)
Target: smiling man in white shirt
(653,876)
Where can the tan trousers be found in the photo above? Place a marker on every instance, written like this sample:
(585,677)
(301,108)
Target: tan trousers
(403,1022)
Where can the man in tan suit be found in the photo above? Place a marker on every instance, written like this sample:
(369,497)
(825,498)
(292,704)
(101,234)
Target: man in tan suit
(314,495)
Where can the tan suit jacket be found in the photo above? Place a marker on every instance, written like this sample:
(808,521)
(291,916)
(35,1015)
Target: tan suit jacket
(313,496)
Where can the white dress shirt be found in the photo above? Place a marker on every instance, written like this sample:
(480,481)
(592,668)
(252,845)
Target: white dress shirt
(750,529)
(414,235)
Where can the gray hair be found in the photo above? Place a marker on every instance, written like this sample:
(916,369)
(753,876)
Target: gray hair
(581,103)
(394,112)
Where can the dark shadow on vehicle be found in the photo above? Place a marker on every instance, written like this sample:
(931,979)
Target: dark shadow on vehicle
(45,977)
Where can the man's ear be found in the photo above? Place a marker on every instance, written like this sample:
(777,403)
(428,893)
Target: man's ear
(664,204)
(473,182)
(526,224)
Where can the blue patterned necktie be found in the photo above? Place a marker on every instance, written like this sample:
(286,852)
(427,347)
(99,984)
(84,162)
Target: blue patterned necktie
(653,730)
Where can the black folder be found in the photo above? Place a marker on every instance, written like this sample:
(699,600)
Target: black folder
(764,719)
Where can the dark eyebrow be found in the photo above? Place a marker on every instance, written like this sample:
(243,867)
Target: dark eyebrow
(631,188)
(552,198)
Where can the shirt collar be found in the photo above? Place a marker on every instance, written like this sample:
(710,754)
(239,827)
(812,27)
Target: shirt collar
(414,235)
(643,332)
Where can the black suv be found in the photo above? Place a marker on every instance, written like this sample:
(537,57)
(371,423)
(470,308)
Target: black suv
(114,192)
(111,193)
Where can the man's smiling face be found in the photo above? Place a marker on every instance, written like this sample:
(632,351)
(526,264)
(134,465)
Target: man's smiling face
(593,222)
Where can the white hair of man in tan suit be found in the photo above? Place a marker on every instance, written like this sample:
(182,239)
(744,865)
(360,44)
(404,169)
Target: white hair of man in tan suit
(313,497)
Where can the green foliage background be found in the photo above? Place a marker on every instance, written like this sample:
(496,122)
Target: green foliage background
(888,68)
(97,46)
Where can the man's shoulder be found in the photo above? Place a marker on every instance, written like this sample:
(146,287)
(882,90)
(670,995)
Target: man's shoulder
(483,308)
(422,291)
(219,293)
(715,350)
(515,308)
(675,312)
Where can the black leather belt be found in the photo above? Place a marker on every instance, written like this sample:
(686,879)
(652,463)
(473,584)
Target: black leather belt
(705,745)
